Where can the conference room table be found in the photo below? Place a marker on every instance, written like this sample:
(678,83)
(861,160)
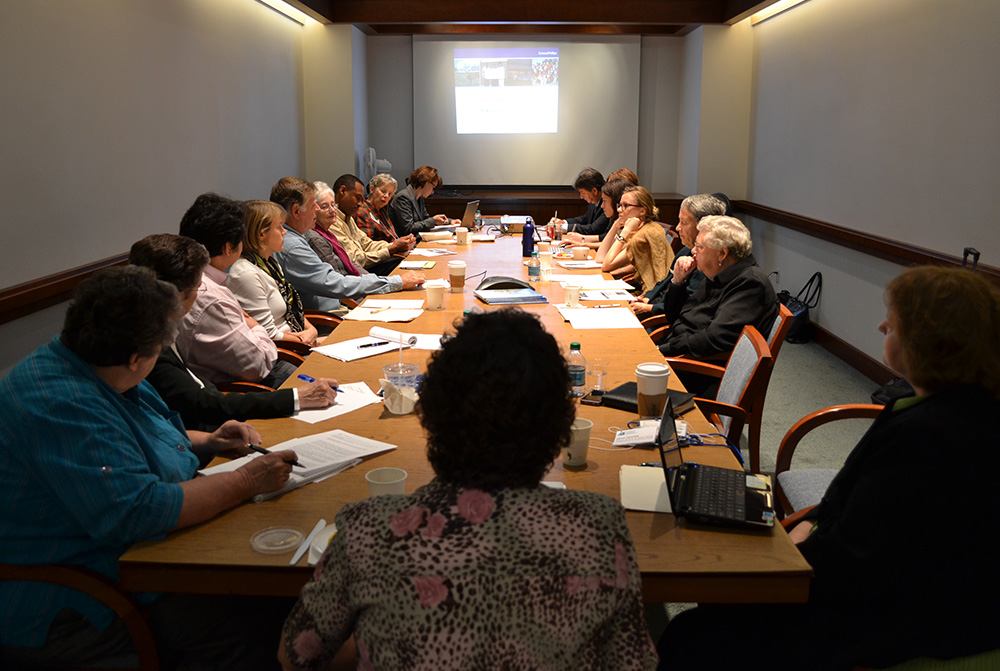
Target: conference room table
(679,562)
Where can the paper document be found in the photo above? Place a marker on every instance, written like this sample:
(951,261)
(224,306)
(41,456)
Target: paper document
(579,265)
(482,237)
(378,341)
(367,313)
(322,455)
(644,488)
(592,282)
(416,265)
(607,295)
(353,395)
(424,251)
(591,318)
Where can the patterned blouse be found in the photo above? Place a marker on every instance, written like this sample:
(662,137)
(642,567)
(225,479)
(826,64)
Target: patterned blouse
(375,223)
(452,578)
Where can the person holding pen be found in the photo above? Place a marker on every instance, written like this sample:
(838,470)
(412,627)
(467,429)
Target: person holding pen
(91,462)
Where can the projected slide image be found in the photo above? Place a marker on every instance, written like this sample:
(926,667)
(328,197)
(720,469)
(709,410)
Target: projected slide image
(507,90)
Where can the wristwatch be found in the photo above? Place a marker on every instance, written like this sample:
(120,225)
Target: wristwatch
(620,238)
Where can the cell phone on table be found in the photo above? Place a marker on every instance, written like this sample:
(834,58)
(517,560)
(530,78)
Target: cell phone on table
(592,397)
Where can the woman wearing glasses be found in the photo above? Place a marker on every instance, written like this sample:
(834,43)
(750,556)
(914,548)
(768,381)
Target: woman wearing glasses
(637,239)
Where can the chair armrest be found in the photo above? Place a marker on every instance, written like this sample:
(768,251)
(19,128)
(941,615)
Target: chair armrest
(349,302)
(699,367)
(658,334)
(814,420)
(295,346)
(654,321)
(320,318)
(242,386)
(796,517)
(715,408)
(104,590)
(291,357)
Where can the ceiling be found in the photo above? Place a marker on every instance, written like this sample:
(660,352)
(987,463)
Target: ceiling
(523,17)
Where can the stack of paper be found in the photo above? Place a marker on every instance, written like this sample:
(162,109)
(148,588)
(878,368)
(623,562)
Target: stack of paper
(378,310)
(322,455)
(590,318)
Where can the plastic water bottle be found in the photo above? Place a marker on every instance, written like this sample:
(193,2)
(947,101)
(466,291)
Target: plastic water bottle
(479,221)
(527,238)
(577,369)
(534,268)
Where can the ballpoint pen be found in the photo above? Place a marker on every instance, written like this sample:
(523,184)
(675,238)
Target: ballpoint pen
(261,450)
(309,378)
(373,344)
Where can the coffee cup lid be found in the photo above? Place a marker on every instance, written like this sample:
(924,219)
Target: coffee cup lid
(456,264)
(652,369)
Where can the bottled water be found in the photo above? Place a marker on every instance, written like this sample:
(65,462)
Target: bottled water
(534,268)
(577,369)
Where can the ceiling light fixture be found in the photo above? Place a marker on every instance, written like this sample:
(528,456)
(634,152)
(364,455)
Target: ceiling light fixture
(293,13)
(773,10)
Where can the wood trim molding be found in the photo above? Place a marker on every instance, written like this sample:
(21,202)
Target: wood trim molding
(874,245)
(852,356)
(23,299)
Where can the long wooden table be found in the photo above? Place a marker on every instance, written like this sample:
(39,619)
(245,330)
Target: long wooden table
(678,561)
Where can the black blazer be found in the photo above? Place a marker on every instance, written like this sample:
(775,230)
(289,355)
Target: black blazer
(591,222)
(205,409)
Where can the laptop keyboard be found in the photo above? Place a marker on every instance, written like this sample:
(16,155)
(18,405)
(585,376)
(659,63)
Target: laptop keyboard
(719,492)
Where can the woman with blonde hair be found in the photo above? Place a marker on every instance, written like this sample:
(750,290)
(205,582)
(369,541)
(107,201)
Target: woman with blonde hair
(637,239)
(258,283)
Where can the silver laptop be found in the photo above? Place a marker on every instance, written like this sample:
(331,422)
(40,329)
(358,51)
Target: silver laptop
(709,494)
(469,218)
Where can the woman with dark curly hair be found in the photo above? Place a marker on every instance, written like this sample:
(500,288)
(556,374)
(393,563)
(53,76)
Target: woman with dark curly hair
(483,568)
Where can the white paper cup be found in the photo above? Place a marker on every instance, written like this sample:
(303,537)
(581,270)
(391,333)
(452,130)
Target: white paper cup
(580,253)
(435,297)
(545,258)
(571,295)
(462,236)
(542,247)
(651,384)
(575,454)
(386,480)
(456,275)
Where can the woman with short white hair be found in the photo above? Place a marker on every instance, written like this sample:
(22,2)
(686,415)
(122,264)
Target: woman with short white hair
(736,292)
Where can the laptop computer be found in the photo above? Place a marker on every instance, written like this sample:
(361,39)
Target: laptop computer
(709,494)
(469,218)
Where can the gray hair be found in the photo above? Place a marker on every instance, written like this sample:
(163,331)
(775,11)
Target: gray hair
(381,179)
(321,189)
(726,233)
(703,205)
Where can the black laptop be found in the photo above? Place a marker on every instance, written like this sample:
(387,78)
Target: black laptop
(709,494)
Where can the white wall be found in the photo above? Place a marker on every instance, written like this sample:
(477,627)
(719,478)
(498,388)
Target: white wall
(117,114)
(390,101)
(877,116)
(328,101)
(659,112)
(690,117)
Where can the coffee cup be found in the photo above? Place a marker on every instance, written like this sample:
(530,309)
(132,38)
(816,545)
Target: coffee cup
(571,295)
(386,480)
(580,253)
(456,273)
(435,296)
(575,454)
(651,385)
(462,236)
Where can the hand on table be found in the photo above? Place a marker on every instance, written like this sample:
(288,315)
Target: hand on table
(402,246)
(573,239)
(411,279)
(232,435)
(268,472)
(440,219)
(318,394)
(641,309)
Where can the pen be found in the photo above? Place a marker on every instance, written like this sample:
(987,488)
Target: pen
(375,310)
(374,344)
(258,448)
(303,376)
(598,307)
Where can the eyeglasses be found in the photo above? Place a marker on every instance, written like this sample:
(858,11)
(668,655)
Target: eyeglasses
(328,207)
(622,205)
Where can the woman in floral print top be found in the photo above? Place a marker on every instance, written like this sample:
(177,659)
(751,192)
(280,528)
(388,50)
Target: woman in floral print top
(483,568)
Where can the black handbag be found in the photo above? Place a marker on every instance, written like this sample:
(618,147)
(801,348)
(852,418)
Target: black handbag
(801,329)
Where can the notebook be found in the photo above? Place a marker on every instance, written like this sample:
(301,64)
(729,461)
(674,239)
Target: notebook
(624,397)
(709,494)
(509,296)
